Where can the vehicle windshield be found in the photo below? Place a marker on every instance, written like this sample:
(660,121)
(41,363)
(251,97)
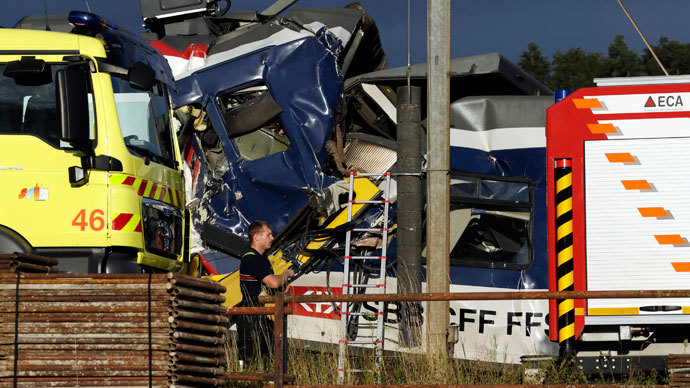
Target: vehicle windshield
(32,109)
(145,121)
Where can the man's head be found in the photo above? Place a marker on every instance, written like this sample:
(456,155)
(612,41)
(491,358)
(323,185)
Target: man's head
(260,236)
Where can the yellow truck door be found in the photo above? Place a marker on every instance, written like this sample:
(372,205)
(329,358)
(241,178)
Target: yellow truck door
(37,200)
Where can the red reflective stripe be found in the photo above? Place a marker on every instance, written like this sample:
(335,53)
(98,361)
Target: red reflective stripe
(129,181)
(142,187)
(152,194)
(138,228)
(161,196)
(121,220)
(170,195)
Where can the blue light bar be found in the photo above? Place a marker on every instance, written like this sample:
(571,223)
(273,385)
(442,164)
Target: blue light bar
(561,94)
(88,21)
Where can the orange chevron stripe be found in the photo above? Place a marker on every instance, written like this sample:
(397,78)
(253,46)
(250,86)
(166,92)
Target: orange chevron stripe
(623,157)
(640,184)
(681,267)
(669,239)
(586,103)
(652,212)
(602,128)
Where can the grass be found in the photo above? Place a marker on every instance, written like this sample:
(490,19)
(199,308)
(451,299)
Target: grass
(319,367)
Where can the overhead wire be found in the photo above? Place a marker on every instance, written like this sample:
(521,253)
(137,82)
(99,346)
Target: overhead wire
(649,47)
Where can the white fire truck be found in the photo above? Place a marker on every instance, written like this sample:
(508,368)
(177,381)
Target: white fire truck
(619,219)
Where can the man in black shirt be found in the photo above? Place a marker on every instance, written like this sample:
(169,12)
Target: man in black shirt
(255,332)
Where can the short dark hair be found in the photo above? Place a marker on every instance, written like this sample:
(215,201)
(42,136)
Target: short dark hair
(256,227)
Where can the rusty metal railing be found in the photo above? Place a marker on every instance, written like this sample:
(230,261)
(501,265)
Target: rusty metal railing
(507,295)
(280,309)
(482,385)
(279,376)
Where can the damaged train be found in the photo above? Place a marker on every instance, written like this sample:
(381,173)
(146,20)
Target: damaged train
(275,108)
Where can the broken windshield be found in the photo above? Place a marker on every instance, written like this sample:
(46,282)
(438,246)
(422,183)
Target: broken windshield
(252,120)
(490,222)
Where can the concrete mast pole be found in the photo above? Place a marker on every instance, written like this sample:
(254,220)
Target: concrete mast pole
(438,149)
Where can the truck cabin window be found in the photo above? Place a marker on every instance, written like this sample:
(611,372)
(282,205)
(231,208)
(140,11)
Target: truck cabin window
(145,124)
(30,108)
(252,121)
(490,222)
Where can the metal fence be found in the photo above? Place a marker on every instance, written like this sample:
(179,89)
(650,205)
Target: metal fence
(280,376)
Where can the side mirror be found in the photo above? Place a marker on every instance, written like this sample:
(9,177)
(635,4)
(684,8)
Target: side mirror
(73,105)
(141,76)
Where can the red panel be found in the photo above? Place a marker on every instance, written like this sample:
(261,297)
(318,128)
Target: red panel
(317,310)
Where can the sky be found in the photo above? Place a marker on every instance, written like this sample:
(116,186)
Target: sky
(477,26)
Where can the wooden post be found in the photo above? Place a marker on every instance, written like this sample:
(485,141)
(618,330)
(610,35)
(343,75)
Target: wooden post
(279,344)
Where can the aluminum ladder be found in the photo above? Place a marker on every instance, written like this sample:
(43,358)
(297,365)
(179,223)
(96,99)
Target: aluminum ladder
(376,336)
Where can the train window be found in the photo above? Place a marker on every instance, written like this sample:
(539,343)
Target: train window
(490,222)
(252,121)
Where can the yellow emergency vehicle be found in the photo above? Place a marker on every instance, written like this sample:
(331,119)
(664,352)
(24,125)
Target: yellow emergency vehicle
(90,171)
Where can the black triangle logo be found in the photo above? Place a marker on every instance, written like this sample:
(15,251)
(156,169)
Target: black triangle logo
(650,103)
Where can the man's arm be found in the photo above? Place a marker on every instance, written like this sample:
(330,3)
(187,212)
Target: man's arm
(277,281)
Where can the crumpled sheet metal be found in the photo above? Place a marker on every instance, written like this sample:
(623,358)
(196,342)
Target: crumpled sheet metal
(304,79)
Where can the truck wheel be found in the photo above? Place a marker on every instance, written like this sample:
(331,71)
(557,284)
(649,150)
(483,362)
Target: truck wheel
(11,242)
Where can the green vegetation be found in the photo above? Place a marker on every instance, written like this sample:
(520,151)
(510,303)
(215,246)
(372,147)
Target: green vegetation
(319,367)
(576,68)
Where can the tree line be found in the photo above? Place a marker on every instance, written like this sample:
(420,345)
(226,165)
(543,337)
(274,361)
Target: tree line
(576,68)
